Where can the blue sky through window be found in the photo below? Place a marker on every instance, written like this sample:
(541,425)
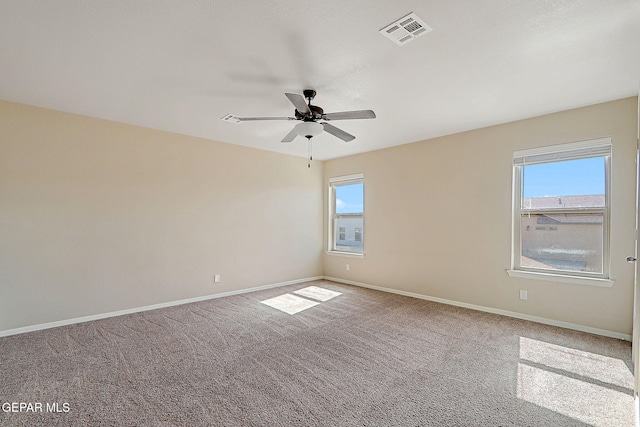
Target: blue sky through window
(350,198)
(569,178)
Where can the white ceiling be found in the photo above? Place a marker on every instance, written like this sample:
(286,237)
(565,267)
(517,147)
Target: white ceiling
(182,65)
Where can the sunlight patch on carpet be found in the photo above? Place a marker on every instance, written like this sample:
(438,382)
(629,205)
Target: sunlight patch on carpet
(290,304)
(596,366)
(317,293)
(575,383)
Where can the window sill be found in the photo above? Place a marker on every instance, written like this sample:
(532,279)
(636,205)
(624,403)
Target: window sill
(577,280)
(345,254)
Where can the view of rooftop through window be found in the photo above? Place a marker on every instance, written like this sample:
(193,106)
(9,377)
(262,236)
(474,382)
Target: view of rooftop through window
(562,217)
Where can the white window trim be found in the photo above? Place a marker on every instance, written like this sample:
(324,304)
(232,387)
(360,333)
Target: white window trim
(345,254)
(563,278)
(333,182)
(600,147)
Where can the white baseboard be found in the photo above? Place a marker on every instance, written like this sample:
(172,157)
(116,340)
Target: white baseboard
(65,322)
(513,314)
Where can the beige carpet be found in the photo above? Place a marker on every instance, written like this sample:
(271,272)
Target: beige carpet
(347,356)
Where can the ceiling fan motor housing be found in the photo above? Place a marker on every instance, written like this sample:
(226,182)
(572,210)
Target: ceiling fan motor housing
(316,114)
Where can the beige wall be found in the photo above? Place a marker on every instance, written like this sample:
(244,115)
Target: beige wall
(438,218)
(97,216)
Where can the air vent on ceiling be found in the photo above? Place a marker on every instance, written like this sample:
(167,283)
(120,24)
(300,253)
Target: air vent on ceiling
(405,29)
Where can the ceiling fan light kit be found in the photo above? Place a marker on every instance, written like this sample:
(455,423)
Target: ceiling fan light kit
(309,129)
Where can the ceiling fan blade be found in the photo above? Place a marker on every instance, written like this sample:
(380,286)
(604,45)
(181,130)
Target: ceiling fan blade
(349,115)
(251,119)
(338,132)
(290,136)
(298,102)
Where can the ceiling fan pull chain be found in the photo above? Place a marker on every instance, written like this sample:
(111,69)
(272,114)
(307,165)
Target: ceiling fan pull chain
(310,154)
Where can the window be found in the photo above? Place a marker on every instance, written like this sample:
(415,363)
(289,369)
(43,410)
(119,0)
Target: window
(346,216)
(561,209)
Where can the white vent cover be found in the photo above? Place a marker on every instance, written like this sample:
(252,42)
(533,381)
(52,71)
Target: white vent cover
(405,29)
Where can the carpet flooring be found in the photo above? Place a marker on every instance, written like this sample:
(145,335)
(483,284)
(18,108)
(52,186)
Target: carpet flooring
(346,356)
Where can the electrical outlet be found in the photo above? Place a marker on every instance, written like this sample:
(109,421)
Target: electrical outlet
(523,294)
(216,278)
(348,267)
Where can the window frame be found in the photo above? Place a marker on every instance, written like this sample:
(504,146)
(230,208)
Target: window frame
(333,216)
(550,154)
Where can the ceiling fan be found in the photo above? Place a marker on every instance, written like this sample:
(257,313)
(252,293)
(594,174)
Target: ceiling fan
(310,116)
